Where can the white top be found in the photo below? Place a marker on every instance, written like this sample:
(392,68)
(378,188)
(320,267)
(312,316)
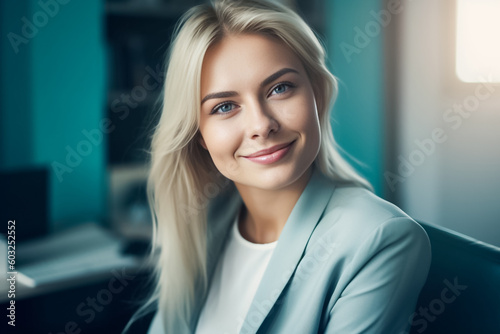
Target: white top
(235,281)
(234,284)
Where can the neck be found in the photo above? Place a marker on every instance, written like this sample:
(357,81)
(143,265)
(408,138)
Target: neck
(266,211)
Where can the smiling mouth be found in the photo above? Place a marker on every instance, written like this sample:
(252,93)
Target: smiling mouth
(270,150)
(270,155)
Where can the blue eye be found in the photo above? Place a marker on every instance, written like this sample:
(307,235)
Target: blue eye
(281,88)
(223,108)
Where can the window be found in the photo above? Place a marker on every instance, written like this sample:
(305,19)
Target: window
(478,40)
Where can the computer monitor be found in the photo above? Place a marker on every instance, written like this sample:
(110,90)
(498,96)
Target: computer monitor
(24,198)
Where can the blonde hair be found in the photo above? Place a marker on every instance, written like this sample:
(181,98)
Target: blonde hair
(182,171)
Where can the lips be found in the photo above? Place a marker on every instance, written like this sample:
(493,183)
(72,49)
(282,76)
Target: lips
(269,150)
(270,155)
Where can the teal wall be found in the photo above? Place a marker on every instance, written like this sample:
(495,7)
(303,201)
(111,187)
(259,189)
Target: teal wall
(52,88)
(358,115)
(16,134)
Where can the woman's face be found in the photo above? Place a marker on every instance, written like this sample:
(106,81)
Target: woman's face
(259,120)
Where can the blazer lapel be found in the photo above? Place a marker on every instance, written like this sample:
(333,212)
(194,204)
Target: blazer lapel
(289,249)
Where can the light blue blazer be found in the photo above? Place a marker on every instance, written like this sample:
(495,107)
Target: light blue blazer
(345,262)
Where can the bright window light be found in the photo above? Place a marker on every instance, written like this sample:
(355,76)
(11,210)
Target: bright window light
(478,40)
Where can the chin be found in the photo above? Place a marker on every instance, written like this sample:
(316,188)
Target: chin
(276,178)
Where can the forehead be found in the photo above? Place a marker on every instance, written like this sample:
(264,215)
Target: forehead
(245,56)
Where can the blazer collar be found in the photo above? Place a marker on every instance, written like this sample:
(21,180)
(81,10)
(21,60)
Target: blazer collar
(289,249)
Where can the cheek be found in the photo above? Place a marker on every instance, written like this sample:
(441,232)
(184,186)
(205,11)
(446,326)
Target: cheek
(303,116)
(222,141)
(313,132)
(307,122)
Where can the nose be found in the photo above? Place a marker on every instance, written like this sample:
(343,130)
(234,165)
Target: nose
(260,120)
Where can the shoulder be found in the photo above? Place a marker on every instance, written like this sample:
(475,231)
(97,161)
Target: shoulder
(357,209)
(359,221)
(358,204)
(371,253)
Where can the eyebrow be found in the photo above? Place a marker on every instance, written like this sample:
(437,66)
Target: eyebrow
(266,82)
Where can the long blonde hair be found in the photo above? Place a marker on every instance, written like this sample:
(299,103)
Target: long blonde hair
(182,177)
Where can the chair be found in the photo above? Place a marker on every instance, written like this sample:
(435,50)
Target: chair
(462,291)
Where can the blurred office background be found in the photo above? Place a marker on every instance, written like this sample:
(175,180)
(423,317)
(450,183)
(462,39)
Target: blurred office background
(418,110)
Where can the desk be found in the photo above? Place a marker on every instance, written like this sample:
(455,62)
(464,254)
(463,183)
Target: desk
(100,304)
(23,291)
(82,280)
(84,254)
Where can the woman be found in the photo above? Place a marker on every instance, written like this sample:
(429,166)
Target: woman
(260,225)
